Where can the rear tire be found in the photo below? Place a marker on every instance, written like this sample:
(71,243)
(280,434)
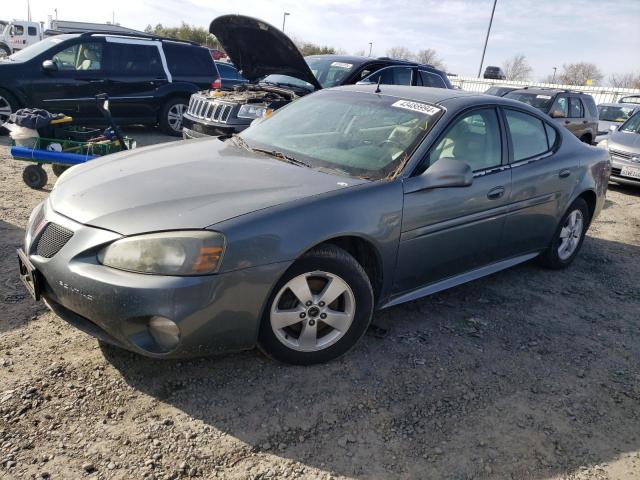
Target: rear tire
(326,316)
(8,105)
(34,176)
(568,238)
(171,116)
(4,51)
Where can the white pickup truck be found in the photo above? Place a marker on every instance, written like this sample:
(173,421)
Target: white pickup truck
(18,34)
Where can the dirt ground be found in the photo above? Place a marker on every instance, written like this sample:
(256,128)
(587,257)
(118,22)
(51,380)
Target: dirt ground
(527,374)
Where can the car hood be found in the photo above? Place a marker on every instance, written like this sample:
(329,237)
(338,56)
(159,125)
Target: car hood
(182,185)
(260,49)
(625,141)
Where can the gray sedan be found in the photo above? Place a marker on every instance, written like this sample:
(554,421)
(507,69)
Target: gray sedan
(623,144)
(291,235)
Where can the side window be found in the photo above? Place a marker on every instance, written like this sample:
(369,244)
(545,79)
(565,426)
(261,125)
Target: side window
(369,69)
(474,138)
(32,31)
(552,135)
(135,60)
(575,108)
(528,135)
(431,80)
(81,56)
(188,60)
(393,76)
(17,30)
(562,104)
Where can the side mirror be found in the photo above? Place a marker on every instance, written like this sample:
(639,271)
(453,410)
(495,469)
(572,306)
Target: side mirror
(613,128)
(557,114)
(49,66)
(446,172)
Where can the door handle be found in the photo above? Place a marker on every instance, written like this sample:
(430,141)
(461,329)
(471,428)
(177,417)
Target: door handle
(495,193)
(95,80)
(564,173)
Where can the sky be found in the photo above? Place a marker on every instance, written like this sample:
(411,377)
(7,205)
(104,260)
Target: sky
(549,33)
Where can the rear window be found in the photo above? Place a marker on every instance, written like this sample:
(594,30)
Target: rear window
(541,101)
(187,60)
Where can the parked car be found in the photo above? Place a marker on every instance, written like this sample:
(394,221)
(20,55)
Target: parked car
(268,57)
(229,76)
(613,115)
(500,90)
(575,110)
(292,233)
(494,73)
(148,79)
(18,34)
(623,144)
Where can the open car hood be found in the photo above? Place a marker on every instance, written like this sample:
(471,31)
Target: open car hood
(259,49)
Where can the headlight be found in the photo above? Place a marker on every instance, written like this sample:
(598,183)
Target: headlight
(251,111)
(603,143)
(169,253)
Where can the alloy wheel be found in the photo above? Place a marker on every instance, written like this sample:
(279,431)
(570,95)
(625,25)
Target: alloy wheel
(570,234)
(312,311)
(174,116)
(5,110)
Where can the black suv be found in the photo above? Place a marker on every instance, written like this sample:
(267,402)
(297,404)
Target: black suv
(281,74)
(494,73)
(148,79)
(575,110)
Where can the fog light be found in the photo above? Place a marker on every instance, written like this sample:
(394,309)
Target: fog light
(165,332)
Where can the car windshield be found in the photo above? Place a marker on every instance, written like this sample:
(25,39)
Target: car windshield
(610,113)
(328,71)
(36,49)
(632,125)
(354,134)
(541,101)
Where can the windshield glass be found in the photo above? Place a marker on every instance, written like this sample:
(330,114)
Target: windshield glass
(329,72)
(632,125)
(36,49)
(615,113)
(541,101)
(354,134)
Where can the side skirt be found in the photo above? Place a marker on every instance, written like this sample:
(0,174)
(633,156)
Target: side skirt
(458,280)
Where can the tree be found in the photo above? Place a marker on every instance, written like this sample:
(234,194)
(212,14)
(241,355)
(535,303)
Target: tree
(360,53)
(400,53)
(186,32)
(430,57)
(579,73)
(517,68)
(625,80)
(308,48)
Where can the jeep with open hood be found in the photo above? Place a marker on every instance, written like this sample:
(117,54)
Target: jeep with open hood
(279,74)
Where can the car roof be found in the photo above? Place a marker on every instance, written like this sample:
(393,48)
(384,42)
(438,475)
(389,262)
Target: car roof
(439,96)
(360,60)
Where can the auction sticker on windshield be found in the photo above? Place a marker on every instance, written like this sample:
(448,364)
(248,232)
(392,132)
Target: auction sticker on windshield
(416,107)
(342,65)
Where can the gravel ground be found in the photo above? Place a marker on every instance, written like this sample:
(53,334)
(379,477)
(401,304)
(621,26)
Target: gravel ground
(527,374)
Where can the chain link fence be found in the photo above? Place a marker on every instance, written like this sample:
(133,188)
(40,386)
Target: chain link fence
(599,94)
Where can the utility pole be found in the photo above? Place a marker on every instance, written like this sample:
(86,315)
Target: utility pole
(486,40)
(370,47)
(28,11)
(553,80)
(284,18)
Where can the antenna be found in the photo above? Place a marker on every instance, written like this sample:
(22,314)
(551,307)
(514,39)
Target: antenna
(377,90)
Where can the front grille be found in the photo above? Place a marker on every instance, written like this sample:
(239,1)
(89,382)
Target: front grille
(615,171)
(621,154)
(52,239)
(208,109)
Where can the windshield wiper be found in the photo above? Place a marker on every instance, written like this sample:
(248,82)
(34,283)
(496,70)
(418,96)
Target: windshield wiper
(282,156)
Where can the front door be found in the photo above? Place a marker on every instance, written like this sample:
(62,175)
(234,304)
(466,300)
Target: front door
(72,88)
(448,231)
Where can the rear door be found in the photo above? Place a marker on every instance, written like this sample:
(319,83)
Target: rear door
(137,69)
(543,180)
(448,231)
(80,77)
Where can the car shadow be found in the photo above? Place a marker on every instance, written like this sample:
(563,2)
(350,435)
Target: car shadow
(528,373)
(626,189)
(16,304)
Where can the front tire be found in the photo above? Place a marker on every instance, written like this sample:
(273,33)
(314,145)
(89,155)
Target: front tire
(568,238)
(318,310)
(8,105)
(171,116)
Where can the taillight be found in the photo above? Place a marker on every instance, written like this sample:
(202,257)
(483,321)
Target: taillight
(217,83)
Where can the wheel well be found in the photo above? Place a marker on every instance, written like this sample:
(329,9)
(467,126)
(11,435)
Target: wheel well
(366,255)
(590,197)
